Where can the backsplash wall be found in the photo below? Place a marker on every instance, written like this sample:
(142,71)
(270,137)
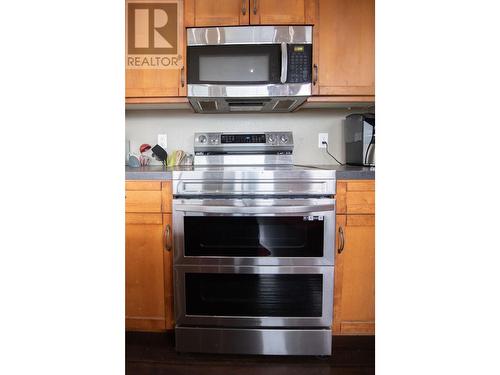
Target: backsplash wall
(143,126)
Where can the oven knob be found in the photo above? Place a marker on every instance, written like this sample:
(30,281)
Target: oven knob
(271,139)
(202,139)
(284,139)
(213,141)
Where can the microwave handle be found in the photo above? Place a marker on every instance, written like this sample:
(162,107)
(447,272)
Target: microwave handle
(255,209)
(284,62)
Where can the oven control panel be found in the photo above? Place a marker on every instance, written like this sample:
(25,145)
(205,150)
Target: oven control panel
(259,140)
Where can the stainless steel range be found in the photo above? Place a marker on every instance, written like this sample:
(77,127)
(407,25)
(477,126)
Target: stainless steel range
(253,248)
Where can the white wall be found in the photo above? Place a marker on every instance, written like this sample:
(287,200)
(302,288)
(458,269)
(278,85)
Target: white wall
(142,126)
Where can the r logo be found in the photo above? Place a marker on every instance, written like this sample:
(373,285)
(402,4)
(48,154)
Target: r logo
(152,28)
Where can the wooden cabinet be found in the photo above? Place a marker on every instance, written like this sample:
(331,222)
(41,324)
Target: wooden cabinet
(141,83)
(355,197)
(354,286)
(244,12)
(278,12)
(144,274)
(148,256)
(154,83)
(216,13)
(345,48)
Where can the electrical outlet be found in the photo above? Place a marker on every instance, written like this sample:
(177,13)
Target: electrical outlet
(162,141)
(322,137)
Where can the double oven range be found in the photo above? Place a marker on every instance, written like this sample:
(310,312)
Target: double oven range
(253,249)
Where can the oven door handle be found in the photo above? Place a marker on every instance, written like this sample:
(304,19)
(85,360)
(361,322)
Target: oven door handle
(254,209)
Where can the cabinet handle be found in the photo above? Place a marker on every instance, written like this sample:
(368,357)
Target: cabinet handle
(315,79)
(342,240)
(254,7)
(182,77)
(168,238)
(244,7)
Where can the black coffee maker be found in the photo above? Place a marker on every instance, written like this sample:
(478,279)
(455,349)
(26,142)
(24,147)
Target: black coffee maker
(359,135)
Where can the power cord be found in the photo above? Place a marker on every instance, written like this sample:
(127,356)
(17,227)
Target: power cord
(328,152)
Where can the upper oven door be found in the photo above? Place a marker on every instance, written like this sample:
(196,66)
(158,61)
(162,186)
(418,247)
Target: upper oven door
(254,231)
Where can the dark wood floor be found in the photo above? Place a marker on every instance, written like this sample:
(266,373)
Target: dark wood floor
(153,353)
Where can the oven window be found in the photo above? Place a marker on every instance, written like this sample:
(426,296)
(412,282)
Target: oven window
(245,236)
(234,64)
(286,295)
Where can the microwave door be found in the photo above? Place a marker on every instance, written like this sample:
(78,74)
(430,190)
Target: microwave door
(236,64)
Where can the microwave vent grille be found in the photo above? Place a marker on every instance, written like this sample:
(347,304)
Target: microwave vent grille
(208,105)
(284,105)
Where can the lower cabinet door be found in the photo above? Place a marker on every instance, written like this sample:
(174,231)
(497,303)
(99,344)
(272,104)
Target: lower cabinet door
(354,286)
(144,272)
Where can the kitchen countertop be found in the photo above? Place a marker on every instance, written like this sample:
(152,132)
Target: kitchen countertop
(159,172)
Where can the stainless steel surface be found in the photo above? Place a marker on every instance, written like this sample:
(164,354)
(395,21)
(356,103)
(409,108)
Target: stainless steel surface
(210,149)
(324,207)
(254,341)
(258,172)
(270,191)
(267,102)
(291,187)
(325,320)
(253,91)
(212,142)
(249,35)
(284,62)
(255,181)
(242,159)
(237,207)
(275,97)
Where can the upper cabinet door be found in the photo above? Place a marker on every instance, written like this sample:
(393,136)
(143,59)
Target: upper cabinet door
(216,13)
(152,83)
(155,52)
(346,61)
(279,12)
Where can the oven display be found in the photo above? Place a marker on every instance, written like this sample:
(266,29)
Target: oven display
(243,138)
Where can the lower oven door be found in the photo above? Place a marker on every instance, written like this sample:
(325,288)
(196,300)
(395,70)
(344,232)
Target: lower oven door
(252,232)
(264,296)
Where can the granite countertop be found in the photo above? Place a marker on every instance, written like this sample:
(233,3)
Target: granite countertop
(159,172)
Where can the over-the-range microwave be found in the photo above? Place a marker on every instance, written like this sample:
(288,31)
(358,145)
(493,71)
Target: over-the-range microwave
(249,68)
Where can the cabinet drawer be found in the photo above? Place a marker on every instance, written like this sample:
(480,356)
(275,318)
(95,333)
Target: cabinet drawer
(143,201)
(143,185)
(356,197)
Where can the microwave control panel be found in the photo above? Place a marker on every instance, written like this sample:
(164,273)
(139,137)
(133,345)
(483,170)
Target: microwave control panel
(299,63)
